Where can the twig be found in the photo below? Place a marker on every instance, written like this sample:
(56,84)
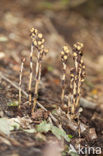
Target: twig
(12,83)
(73,125)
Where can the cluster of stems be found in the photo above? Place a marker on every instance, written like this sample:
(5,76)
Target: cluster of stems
(37,43)
(77,75)
(64,57)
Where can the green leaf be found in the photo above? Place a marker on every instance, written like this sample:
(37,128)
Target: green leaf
(44,127)
(13,103)
(56,131)
(70,136)
(59,133)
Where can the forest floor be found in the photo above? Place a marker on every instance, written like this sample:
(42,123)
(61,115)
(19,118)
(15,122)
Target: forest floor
(58,28)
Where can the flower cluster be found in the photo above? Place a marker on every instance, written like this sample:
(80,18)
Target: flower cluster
(64,54)
(38,41)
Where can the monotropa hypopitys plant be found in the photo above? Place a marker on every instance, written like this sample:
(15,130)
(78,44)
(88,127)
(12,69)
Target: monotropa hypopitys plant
(64,58)
(37,42)
(77,75)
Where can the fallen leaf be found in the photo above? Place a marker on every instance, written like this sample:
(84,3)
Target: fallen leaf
(14,124)
(44,127)
(59,133)
(32,130)
(4,126)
